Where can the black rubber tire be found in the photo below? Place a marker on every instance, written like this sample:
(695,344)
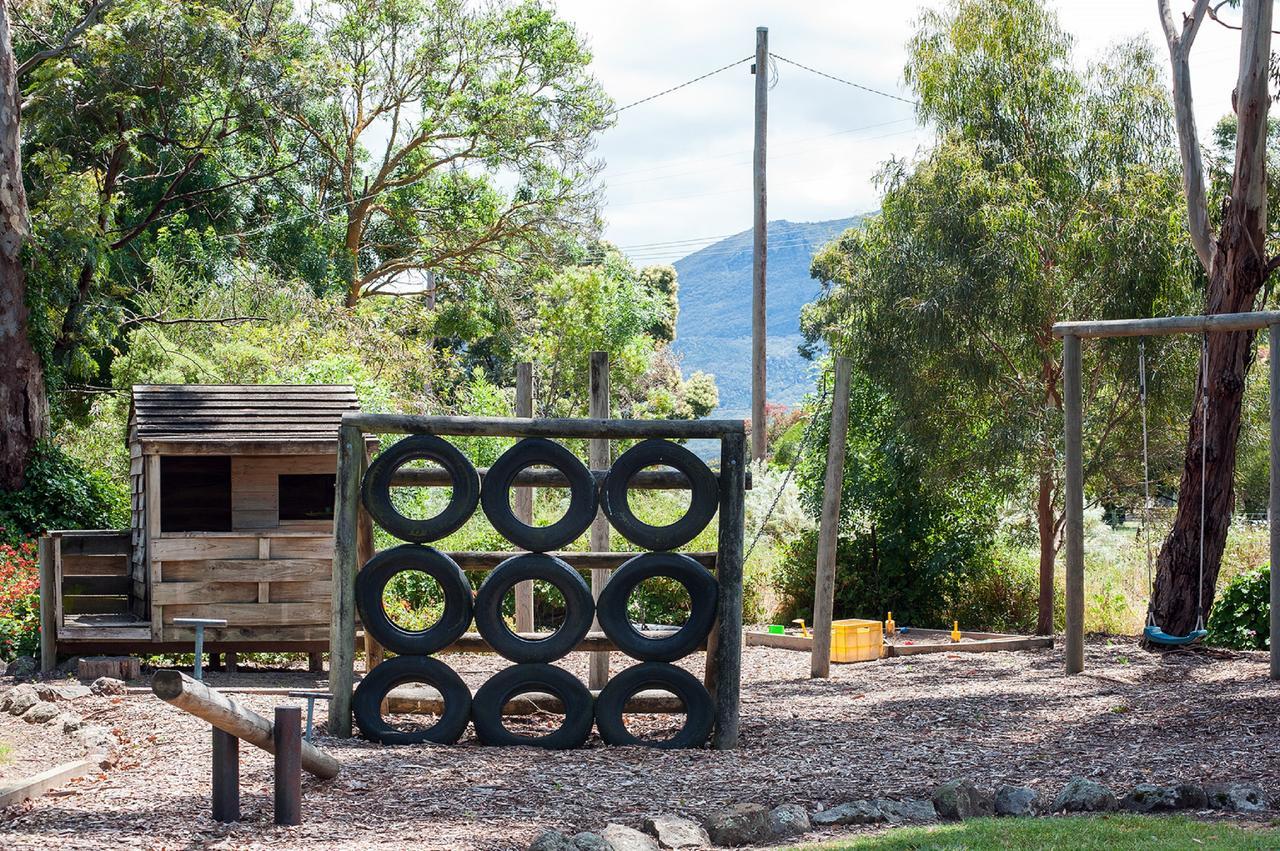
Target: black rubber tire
(496,501)
(378,571)
(579,608)
(699,710)
(375,491)
(702,505)
(366,705)
(704,595)
(486,708)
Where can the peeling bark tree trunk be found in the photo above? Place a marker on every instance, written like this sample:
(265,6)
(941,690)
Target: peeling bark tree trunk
(1237,271)
(24,409)
(1048,553)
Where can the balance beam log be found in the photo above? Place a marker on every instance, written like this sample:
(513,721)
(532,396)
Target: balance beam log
(228,715)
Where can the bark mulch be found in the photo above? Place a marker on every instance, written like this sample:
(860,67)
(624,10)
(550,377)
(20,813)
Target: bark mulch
(28,749)
(891,728)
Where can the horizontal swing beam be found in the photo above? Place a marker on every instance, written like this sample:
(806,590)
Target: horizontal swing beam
(643,480)
(1165,325)
(560,428)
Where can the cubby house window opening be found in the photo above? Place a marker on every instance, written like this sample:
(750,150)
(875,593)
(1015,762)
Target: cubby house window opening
(307,496)
(195,493)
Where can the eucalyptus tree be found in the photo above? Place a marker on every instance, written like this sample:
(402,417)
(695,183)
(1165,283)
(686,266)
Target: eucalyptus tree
(455,137)
(1049,192)
(1238,264)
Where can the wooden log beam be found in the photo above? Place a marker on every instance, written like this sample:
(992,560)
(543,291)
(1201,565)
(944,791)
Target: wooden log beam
(522,498)
(727,661)
(542,427)
(1165,325)
(435,477)
(599,458)
(473,560)
(342,627)
(1072,405)
(828,532)
(228,715)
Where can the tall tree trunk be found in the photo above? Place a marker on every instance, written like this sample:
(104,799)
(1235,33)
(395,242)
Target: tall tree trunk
(1048,552)
(1238,270)
(24,409)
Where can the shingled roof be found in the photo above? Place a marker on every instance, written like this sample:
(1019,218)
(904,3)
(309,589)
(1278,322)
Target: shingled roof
(228,413)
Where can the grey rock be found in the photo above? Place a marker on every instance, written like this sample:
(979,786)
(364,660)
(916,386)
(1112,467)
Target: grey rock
(960,799)
(95,739)
(910,809)
(1149,798)
(71,723)
(62,719)
(110,685)
(854,812)
(551,840)
(1190,796)
(24,693)
(53,692)
(24,667)
(739,824)
(623,838)
(676,832)
(4,666)
(1016,801)
(787,820)
(588,841)
(41,712)
(1237,797)
(1082,795)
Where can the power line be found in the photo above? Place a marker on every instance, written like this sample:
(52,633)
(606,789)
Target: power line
(842,80)
(682,85)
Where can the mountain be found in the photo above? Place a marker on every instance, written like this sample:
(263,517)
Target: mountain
(713,331)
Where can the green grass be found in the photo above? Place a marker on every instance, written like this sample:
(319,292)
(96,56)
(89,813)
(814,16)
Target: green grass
(1076,833)
(6,753)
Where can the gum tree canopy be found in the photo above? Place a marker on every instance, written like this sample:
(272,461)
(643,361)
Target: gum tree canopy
(1049,192)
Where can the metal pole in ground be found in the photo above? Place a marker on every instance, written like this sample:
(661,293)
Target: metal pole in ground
(226,776)
(286,735)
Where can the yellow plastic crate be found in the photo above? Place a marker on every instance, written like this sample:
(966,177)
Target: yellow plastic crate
(856,640)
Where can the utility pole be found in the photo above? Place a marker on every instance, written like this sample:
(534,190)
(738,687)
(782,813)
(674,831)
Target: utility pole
(760,242)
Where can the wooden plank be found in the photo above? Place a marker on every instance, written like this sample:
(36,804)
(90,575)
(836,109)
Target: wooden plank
(49,591)
(118,584)
(140,632)
(264,593)
(196,593)
(298,592)
(206,445)
(1164,325)
(342,632)
(250,637)
(252,614)
(112,565)
(542,427)
(728,650)
(38,784)
(94,605)
(312,546)
(151,506)
(113,543)
(829,526)
(249,570)
(172,548)
(598,459)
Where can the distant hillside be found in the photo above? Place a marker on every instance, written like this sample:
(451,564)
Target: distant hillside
(713,332)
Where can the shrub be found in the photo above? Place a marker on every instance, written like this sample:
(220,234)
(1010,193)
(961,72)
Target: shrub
(61,494)
(1003,596)
(1241,615)
(19,600)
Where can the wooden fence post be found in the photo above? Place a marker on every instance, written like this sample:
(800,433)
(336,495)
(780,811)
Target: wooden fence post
(727,662)
(598,459)
(829,530)
(342,629)
(48,605)
(1072,406)
(524,497)
(1273,513)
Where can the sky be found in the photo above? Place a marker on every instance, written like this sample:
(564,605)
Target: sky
(678,169)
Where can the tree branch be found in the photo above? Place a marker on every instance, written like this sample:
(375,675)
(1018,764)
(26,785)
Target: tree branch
(90,18)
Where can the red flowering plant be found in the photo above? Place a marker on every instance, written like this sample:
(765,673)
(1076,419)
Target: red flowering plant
(19,600)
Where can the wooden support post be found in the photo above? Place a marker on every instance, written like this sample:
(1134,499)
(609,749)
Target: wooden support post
(286,734)
(229,660)
(1273,512)
(48,605)
(727,664)
(315,662)
(598,459)
(342,630)
(1072,404)
(759,247)
(226,776)
(227,713)
(374,652)
(829,530)
(523,506)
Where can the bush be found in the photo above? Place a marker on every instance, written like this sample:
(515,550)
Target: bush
(19,600)
(61,494)
(1241,615)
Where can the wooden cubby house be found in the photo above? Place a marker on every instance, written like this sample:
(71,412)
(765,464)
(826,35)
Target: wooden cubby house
(232,517)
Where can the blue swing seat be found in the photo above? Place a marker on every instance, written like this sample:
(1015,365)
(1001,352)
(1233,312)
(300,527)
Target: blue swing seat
(1156,635)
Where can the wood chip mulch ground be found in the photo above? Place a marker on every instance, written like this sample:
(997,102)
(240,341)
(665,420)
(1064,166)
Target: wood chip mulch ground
(892,728)
(27,749)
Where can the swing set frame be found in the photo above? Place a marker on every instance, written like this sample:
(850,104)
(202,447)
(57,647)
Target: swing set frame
(1071,334)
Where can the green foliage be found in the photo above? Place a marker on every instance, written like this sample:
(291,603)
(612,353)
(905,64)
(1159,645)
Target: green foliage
(662,283)
(62,494)
(1241,615)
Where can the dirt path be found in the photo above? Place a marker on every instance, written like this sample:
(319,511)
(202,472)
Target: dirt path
(895,727)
